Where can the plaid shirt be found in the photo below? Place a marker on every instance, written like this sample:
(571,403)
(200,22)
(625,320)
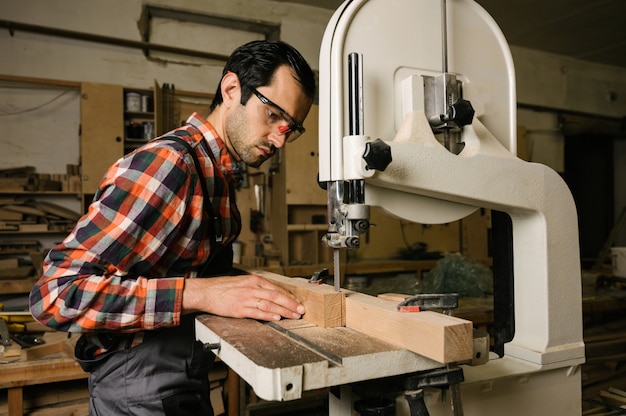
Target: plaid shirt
(122,268)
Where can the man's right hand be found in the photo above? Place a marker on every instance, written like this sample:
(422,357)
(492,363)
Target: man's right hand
(245,296)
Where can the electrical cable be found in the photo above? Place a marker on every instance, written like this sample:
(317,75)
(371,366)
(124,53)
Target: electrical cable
(27,110)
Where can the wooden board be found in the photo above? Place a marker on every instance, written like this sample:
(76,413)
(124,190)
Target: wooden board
(47,349)
(25,209)
(16,286)
(40,372)
(10,263)
(436,336)
(439,337)
(57,210)
(19,272)
(10,215)
(324,307)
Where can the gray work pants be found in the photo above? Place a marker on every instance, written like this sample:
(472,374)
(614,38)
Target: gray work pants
(165,375)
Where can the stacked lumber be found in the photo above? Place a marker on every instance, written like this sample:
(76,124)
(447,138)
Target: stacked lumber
(21,259)
(19,214)
(25,178)
(604,373)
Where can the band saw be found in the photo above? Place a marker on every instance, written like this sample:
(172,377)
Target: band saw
(417,115)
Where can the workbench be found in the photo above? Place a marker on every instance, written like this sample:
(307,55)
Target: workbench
(53,368)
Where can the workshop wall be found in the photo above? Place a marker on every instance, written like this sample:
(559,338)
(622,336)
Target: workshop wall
(35,55)
(547,86)
(43,134)
(40,127)
(543,80)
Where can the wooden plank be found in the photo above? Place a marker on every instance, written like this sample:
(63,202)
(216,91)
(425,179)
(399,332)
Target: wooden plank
(612,398)
(8,215)
(394,297)
(16,272)
(33,228)
(25,209)
(439,337)
(57,210)
(324,306)
(47,349)
(10,263)
(40,372)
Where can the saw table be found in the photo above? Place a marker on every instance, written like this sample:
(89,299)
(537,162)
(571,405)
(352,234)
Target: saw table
(281,360)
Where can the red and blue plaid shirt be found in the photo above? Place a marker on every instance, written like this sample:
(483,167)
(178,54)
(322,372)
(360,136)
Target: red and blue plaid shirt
(122,268)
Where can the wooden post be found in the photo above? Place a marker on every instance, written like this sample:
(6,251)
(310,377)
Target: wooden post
(16,401)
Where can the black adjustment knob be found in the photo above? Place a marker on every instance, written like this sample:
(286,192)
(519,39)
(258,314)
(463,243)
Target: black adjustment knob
(361,226)
(461,112)
(377,155)
(353,242)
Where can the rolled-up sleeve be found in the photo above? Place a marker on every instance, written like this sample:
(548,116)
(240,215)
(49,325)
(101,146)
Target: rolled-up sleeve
(111,272)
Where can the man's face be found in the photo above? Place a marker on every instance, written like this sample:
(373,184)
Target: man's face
(255,130)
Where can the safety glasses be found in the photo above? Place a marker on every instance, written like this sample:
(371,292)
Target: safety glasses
(275,115)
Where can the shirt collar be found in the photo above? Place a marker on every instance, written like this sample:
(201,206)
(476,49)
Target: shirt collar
(216,144)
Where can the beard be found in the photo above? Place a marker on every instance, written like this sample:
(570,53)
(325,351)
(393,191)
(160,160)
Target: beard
(237,130)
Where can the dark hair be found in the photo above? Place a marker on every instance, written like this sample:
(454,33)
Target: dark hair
(255,64)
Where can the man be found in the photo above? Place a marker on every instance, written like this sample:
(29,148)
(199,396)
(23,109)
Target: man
(163,215)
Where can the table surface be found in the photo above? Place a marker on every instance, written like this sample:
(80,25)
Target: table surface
(282,359)
(47,369)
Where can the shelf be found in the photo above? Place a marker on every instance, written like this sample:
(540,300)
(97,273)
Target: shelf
(48,232)
(17,286)
(307,227)
(4,192)
(32,222)
(139,114)
(47,193)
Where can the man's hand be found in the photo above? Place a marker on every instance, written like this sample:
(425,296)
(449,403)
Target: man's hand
(246,296)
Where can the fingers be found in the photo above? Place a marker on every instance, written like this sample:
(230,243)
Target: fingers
(276,299)
(264,311)
(266,284)
(241,297)
(273,305)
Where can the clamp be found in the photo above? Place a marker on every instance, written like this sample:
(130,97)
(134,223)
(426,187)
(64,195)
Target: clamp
(450,376)
(319,276)
(427,302)
(5,336)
